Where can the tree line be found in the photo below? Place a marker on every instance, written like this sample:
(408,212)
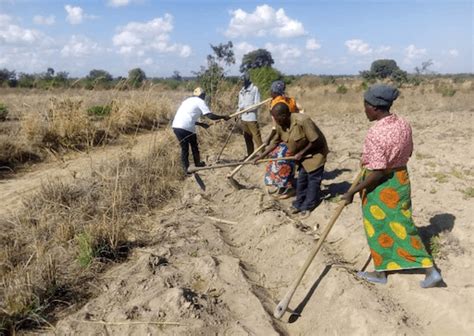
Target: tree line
(259,63)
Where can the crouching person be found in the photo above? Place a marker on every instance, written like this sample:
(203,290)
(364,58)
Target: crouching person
(306,140)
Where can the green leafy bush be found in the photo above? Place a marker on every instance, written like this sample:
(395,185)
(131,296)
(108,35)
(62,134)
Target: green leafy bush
(341,89)
(3,112)
(263,78)
(99,110)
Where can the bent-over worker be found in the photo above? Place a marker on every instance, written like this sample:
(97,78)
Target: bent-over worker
(184,126)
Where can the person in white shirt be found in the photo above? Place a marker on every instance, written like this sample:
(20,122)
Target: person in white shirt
(184,126)
(248,96)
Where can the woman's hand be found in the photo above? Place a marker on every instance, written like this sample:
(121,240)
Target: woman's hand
(348,197)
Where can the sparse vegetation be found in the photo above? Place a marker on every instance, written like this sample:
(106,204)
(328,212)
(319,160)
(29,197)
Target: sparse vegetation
(66,227)
(99,110)
(3,112)
(341,89)
(468,192)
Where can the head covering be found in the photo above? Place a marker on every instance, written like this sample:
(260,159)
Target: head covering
(278,87)
(381,95)
(198,91)
(246,76)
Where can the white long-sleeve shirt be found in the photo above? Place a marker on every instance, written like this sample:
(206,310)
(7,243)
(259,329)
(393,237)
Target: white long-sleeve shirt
(247,97)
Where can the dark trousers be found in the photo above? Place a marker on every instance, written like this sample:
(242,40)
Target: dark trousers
(187,139)
(308,189)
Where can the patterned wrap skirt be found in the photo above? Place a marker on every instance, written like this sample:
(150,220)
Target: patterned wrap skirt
(280,173)
(392,236)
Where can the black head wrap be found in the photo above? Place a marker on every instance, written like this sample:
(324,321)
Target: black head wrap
(381,95)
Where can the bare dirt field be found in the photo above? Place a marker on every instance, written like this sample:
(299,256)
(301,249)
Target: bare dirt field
(218,260)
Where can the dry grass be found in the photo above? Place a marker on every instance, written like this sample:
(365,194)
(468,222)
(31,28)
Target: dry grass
(66,233)
(43,121)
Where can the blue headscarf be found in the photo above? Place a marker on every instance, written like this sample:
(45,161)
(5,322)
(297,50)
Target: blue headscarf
(278,87)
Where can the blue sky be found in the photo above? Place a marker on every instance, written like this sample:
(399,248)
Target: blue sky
(319,37)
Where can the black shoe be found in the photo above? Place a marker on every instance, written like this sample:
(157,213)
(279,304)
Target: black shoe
(200,164)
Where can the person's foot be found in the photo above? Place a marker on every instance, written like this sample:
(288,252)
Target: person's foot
(432,278)
(272,189)
(374,277)
(305,214)
(200,164)
(287,193)
(294,210)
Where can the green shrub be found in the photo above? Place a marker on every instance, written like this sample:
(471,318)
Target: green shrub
(86,252)
(3,112)
(341,89)
(99,110)
(263,78)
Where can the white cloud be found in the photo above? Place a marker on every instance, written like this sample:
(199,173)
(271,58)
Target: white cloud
(453,52)
(312,44)
(412,52)
(10,33)
(283,53)
(262,22)
(44,20)
(148,61)
(118,3)
(140,38)
(79,46)
(75,15)
(383,49)
(358,47)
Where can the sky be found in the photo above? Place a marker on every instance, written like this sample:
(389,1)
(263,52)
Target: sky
(304,37)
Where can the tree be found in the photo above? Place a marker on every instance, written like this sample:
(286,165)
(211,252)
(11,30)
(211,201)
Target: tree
(49,73)
(177,76)
(27,80)
(385,68)
(424,70)
(256,59)
(223,53)
(98,78)
(7,77)
(136,77)
(99,75)
(210,78)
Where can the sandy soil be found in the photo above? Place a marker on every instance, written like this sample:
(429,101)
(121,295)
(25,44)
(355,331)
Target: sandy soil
(203,276)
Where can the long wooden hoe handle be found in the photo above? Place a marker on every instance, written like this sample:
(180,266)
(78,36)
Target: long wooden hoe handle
(232,173)
(283,305)
(226,140)
(250,108)
(233,164)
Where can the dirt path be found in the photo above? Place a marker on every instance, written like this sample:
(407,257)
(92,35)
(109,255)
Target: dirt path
(202,276)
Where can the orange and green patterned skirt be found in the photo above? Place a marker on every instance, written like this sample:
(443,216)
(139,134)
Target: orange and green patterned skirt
(392,236)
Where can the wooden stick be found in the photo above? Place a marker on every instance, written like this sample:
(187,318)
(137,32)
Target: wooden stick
(250,108)
(131,322)
(227,140)
(283,305)
(221,220)
(232,173)
(233,164)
